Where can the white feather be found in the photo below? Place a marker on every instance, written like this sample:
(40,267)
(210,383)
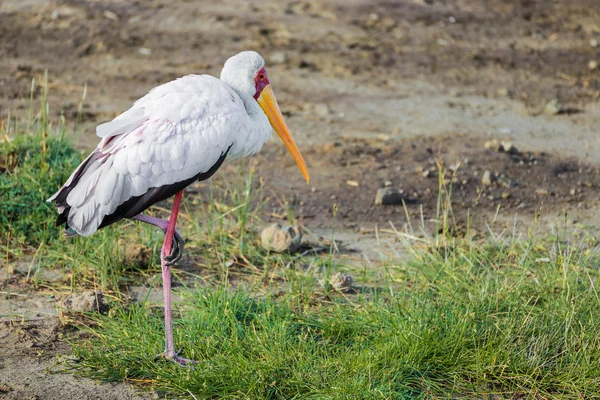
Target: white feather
(133,162)
(124,123)
(146,170)
(175,132)
(106,190)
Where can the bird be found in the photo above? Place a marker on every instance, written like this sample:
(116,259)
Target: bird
(177,134)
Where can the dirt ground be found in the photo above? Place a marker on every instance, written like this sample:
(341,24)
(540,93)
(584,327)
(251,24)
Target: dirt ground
(375,92)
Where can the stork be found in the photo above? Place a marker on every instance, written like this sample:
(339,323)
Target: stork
(177,134)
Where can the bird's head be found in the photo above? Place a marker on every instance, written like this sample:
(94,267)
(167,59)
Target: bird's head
(246,74)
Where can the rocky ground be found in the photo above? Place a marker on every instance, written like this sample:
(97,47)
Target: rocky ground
(502,95)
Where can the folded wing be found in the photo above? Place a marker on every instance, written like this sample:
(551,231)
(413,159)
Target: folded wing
(180,132)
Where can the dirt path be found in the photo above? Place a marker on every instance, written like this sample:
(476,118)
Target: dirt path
(415,72)
(29,367)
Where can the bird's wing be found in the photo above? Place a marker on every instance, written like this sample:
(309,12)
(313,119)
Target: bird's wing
(176,132)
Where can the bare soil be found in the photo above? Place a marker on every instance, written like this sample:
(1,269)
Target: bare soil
(374,91)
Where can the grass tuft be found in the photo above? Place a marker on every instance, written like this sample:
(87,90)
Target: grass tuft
(509,319)
(33,166)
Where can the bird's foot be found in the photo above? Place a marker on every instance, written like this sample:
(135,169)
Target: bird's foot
(176,250)
(185,362)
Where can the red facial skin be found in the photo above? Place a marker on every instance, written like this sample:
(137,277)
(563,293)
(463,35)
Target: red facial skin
(261,79)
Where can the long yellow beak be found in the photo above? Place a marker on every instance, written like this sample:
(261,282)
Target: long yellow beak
(268,103)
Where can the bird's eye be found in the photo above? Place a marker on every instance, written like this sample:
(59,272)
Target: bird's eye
(261,77)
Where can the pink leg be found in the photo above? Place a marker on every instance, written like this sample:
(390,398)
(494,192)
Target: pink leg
(166,275)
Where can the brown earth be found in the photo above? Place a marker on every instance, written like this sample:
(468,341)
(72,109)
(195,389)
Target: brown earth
(374,91)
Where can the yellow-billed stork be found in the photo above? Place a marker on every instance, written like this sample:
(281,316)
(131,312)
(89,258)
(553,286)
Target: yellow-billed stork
(177,134)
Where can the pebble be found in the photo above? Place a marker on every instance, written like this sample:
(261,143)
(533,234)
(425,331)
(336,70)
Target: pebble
(111,15)
(342,282)
(492,145)
(280,238)
(321,109)
(553,107)
(500,146)
(508,147)
(388,196)
(505,181)
(541,192)
(487,178)
(593,65)
(45,274)
(89,301)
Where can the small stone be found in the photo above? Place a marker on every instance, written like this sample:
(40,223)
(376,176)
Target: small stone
(593,65)
(572,192)
(594,42)
(280,238)
(505,195)
(503,92)
(342,282)
(89,301)
(388,196)
(352,183)
(541,192)
(321,109)
(23,268)
(492,145)
(425,173)
(504,146)
(111,15)
(487,178)
(505,181)
(387,183)
(508,147)
(31,270)
(554,107)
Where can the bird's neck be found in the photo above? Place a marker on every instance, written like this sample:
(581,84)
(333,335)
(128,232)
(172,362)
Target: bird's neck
(255,133)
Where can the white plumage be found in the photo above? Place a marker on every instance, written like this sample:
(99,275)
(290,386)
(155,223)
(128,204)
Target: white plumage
(175,132)
(179,132)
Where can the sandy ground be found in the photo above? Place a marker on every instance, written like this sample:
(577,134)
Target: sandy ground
(374,91)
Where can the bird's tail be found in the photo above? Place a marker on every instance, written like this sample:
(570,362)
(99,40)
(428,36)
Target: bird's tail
(60,197)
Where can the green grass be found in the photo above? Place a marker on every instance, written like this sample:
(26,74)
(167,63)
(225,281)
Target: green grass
(35,165)
(458,318)
(508,319)
(36,158)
